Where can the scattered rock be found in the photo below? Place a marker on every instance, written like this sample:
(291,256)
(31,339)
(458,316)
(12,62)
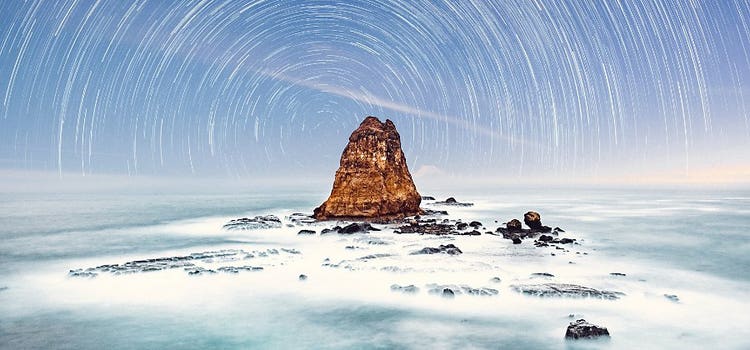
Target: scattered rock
(306,232)
(495,280)
(428,198)
(582,329)
(617,274)
(545,238)
(449,249)
(516,240)
(357,228)
(475,224)
(542,274)
(258,222)
(440,289)
(301,219)
(302,277)
(410,289)
(237,269)
(452,201)
(430,212)
(448,293)
(373,180)
(374,256)
(672,297)
(563,241)
(462,226)
(565,290)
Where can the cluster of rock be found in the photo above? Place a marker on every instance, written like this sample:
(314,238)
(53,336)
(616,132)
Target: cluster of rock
(432,226)
(515,232)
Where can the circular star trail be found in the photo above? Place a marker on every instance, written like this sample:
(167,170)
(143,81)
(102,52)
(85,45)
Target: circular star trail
(262,88)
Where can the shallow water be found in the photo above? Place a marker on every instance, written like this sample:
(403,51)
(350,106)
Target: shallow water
(692,244)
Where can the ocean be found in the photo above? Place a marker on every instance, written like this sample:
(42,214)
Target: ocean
(678,258)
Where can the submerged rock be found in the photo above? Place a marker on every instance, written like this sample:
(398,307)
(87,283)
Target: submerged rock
(451,290)
(302,277)
(373,179)
(565,290)
(449,249)
(410,289)
(582,329)
(428,198)
(306,232)
(362,227)
(452,201)
(258,222)
(672,297)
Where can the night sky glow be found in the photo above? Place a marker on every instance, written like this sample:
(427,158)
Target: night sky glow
(504,88)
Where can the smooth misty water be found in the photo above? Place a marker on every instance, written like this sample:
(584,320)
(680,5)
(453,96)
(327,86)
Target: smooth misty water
(693,244)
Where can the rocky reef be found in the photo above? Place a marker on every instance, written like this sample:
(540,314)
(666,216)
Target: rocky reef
(373,180)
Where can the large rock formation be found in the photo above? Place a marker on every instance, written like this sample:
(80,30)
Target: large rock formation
(373,181)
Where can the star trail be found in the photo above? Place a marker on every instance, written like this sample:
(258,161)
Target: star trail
(267,88)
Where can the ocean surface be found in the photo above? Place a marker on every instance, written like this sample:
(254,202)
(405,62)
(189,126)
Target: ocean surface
(689,244)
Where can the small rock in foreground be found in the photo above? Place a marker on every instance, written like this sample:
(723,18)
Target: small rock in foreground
(582,329)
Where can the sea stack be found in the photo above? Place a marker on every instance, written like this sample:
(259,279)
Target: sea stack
(373,180)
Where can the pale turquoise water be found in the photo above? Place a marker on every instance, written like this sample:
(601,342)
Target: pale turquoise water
(691,243)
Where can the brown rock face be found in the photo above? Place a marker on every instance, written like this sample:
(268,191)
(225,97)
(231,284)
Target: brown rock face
(532,220)
(373,181)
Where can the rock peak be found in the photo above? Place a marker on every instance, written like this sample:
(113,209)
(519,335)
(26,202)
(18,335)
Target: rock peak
(373,180)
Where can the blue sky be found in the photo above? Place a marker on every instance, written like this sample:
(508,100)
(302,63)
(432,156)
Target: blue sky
(498,89)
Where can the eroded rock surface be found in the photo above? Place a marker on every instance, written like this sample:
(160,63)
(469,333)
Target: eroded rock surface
(373,179)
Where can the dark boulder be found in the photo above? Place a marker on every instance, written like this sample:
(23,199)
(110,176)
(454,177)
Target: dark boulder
(357,227)
(475,224)
(428,198)
(306,232)
(516,240)
(545,238)
(582,329)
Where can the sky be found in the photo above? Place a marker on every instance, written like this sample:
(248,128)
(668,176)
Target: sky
(507,90)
